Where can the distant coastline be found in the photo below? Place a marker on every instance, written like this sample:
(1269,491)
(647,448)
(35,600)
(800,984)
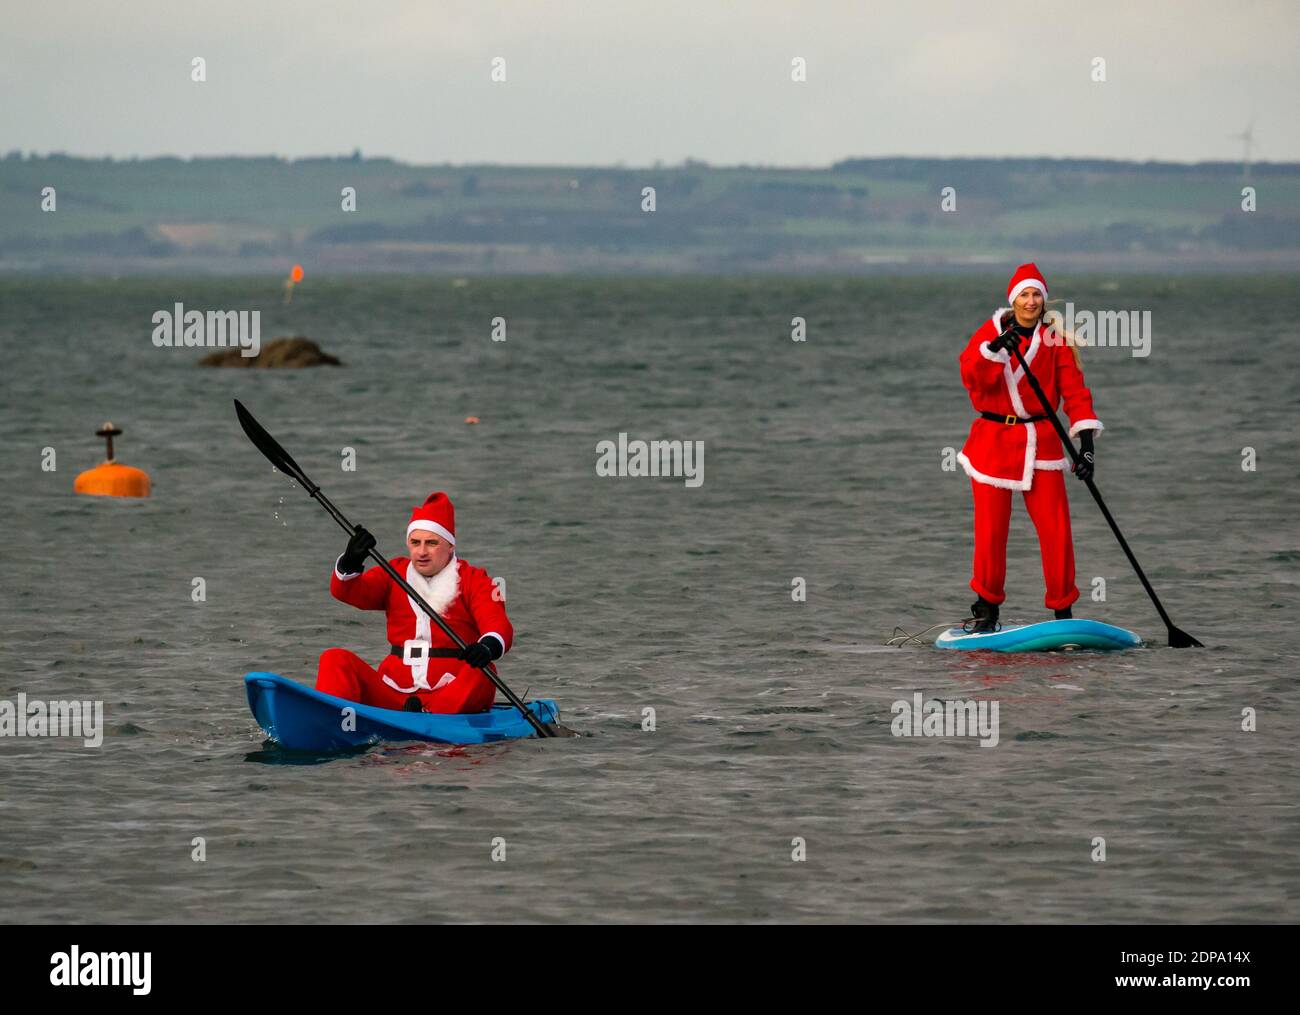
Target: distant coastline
(257,215)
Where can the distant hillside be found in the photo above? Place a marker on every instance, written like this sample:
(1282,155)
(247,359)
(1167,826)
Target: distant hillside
(254,215)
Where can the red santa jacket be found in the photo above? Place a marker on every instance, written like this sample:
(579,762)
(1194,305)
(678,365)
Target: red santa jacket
(1006,456)
(470,609)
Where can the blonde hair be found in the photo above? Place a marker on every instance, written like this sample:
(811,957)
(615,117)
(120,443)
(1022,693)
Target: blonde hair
(1052,326)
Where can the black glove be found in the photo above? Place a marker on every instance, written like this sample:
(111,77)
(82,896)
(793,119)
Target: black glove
(1008,340)
(485,650)
(354,557)
(1087,463)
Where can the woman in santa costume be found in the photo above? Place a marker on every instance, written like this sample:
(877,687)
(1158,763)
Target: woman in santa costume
(1012,446)
(423,671)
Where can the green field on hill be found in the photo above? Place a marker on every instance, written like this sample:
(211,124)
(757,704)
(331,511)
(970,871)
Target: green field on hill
(245,214)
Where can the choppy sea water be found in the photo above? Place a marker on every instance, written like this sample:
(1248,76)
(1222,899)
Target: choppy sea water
(823,461)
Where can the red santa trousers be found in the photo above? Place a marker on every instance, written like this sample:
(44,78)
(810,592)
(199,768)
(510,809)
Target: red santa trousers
(344,674)
(1049,509)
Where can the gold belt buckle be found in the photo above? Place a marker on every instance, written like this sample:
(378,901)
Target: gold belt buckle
(1012,420)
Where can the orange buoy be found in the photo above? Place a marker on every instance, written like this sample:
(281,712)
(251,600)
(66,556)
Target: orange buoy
(110,478)
(471,419)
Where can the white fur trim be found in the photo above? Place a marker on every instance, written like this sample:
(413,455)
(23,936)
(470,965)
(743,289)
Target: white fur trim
(1031,452)
(1001,356)
(1087,424)
(345,577)
(493,634)
(1012,380)
(1014,377)
(1026,283)
(998,481)
(1052,463)
(1004,355)
(1034,345)
(420,682)
(439,592)
(433,527)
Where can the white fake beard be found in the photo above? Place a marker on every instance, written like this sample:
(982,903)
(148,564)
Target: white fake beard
(440,590)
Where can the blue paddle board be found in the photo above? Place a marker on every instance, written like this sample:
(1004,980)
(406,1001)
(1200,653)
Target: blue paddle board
(304,719)
(1049,636)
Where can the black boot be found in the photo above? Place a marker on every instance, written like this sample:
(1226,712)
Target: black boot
(413,704)
(1065,614)
(985,614)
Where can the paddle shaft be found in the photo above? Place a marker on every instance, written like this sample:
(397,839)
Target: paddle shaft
(281,459)
(1096,495)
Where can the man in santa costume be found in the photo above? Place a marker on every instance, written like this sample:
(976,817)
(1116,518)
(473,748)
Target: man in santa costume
(1013,446)
(423,671)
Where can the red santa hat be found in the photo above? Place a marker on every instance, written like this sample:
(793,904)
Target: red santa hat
(435,515)
(1026,276)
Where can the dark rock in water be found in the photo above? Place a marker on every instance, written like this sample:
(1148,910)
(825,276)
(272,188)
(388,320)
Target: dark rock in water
(289,353)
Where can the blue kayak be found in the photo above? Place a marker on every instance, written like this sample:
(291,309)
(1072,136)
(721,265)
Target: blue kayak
(304,719)
(1049,636)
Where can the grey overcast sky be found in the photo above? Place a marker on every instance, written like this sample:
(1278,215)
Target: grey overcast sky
(634,81)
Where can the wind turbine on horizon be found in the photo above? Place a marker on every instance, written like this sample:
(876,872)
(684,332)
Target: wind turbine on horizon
(1247,139)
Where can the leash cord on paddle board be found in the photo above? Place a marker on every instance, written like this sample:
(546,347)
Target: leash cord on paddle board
(901,637)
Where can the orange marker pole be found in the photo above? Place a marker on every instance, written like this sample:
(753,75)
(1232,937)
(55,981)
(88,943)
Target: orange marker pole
(295,276)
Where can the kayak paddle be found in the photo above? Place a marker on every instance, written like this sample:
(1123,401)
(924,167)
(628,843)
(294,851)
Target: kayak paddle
(281,459)
(1178,638)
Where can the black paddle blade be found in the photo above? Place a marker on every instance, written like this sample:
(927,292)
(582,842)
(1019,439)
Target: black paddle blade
(269,446)
(1179,638)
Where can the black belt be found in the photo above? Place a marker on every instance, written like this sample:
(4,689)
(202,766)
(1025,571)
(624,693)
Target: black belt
(434,653)
(1012,420)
